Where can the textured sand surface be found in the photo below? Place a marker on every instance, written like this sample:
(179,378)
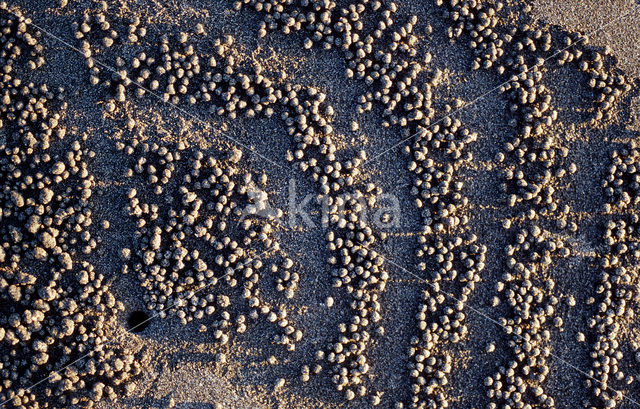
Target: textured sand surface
(183,367)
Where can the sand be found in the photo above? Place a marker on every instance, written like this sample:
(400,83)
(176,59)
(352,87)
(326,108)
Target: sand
(182,365)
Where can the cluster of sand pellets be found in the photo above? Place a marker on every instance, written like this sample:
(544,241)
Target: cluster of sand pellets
(617,296)
(385,57)
(197,230)
(537,163)
(356,266)
(59,317)
(452,259)
(386,60)
(173,275)
(526,51)
(207,243)
(175,71)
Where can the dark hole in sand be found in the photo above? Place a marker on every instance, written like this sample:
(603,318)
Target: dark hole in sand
(138,321)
